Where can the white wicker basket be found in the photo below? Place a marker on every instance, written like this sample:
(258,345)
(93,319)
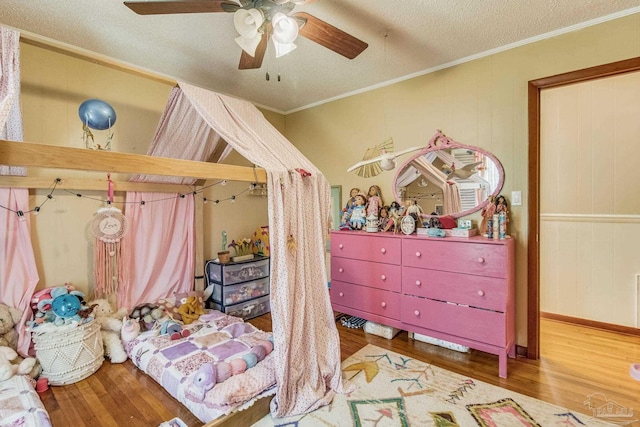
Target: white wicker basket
(69,353)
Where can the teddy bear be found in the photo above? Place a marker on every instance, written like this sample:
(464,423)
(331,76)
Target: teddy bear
(9,317)
(9,367)
(110,327)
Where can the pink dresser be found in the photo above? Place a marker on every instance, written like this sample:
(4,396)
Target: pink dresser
(456,289)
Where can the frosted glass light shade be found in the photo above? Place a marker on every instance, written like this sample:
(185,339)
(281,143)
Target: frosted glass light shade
(247,22)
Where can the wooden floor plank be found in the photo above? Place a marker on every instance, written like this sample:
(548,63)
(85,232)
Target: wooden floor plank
(576,361)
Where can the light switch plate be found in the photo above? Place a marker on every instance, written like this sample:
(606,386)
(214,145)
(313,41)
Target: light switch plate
(516,198)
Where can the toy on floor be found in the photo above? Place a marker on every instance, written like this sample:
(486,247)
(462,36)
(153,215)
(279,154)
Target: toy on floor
(8,367)
(110,326)
(9,317)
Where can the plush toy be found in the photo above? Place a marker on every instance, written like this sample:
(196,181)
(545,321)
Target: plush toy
(130,329)
(173,329)
(149,316)
(7,366)
(9,317)
(191,310)
(110,326)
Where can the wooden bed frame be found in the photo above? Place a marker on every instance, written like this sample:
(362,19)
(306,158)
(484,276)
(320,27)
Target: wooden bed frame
(57,157)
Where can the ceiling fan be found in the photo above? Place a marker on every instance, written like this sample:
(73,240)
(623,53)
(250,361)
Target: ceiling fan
(257,20)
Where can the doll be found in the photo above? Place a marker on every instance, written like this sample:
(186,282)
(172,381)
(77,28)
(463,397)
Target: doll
(346,211)
(502,206)
(375,200)
(383,218)
(487,212)
(358,212)
(415,210)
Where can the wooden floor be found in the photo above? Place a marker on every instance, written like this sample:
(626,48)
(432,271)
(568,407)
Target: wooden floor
(576,362)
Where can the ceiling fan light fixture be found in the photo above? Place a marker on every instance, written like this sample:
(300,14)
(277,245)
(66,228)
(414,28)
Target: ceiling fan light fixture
(283,48)
(248,22)
(249,45)
(285,29)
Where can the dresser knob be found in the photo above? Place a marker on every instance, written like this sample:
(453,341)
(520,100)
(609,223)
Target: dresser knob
(418,283)
(418,254)
(480,259)
(481,293)
(341,246)
(341,270)
(341,294)
(417,313)
(384,304)
(383,277)
(383,250)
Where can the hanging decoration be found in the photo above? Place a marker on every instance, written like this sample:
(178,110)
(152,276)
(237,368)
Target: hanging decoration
(108,227)
(97,115)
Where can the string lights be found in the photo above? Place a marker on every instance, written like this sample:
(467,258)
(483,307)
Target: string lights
(21,214)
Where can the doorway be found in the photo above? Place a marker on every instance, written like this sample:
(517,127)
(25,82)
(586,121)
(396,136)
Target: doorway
(535,88)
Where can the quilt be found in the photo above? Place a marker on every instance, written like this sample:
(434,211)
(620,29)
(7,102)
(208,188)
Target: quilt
(20,405)
(222,365)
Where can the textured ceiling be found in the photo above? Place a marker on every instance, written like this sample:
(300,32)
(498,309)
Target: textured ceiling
(199,48)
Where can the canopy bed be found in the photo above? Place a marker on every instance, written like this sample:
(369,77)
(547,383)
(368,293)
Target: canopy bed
(302,315)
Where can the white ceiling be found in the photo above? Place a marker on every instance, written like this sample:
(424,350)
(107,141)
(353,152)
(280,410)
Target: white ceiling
(422,35)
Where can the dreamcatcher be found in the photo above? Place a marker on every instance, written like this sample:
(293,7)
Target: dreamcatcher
(108,227)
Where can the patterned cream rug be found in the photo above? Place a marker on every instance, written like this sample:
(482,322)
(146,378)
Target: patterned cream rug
(394,390)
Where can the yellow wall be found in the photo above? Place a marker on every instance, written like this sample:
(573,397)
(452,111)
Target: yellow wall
(53,87)
(481,103)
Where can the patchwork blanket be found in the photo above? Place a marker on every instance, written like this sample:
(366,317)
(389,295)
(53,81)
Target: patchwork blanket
(215,338)
(20,405)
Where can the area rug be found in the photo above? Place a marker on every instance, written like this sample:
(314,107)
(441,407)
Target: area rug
(393,390)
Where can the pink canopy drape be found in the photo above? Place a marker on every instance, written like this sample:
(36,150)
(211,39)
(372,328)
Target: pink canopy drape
(18,273)
(158,248)
(307,344)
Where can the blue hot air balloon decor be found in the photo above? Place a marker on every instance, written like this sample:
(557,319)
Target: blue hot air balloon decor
(98,115)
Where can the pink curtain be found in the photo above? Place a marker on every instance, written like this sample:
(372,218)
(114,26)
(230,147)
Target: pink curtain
(18,273)
(307,344)
(158,248)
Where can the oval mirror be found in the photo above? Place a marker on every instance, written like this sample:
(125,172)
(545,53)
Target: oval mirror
(448,178)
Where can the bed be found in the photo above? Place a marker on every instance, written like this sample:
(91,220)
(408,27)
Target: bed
(20,405)
(178,364)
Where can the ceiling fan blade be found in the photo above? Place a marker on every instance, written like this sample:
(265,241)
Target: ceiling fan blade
(330,37)
(184,6)
(248,62)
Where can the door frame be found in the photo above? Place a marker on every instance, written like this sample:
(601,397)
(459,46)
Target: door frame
(533,250)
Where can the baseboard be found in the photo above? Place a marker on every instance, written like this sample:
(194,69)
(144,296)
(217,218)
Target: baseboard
(611,327)
(521,351)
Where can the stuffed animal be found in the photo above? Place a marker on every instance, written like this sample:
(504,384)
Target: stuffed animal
(7,366)
(149,316)
(130,329)
(110,326)
(9,317)
(191,310)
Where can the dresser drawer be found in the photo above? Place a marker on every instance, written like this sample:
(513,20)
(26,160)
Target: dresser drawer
(373,274)
(482,259)
(376,301)
(366,247)
(466,322)
(477,291)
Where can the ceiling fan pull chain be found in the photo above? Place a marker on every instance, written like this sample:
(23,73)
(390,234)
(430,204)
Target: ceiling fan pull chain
(267,76)
(278,76)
